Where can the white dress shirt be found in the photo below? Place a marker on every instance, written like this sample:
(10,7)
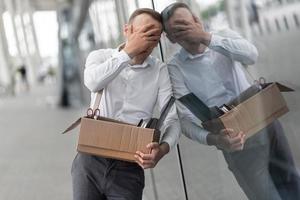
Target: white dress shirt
(215,76)
(131,92)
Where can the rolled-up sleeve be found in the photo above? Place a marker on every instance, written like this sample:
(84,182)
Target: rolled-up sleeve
(233,45)
(102,66)
(171,125)
(189,124)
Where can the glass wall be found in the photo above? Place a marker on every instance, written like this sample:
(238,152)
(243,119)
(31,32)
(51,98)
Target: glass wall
(275,34)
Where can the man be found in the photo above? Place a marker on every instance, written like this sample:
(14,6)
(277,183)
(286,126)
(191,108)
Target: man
(133,82)
(209,66)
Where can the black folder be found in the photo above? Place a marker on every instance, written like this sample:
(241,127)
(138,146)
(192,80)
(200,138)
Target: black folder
(196,106)
(155,123)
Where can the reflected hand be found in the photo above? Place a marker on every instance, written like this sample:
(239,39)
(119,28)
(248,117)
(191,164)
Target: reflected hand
(190,31)
(227,140)
(150,160)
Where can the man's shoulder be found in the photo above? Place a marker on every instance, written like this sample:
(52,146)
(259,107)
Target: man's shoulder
(99,55)
(101,52)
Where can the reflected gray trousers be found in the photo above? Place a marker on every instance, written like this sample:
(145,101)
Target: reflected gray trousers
(266,171)
(98,178)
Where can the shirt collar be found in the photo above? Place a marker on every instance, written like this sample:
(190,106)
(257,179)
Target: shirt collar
(184,54)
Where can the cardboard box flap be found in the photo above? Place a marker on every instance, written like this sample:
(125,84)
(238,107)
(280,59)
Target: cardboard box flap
(72,126)
(78,121)
(281,87)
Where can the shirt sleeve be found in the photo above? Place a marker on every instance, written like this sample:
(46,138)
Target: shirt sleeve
(102,66)
(189,123)
(171,126)
(233,45)
(194,131)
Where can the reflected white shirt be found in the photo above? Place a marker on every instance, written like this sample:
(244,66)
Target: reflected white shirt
(215,76)
(131,92)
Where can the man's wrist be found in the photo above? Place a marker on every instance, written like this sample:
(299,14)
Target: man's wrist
(206,38)
(211,139)
(128,51)
(165,148)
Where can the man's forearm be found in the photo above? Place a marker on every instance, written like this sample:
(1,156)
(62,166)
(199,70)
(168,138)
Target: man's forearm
(98,73)
(193,131)
(235,47)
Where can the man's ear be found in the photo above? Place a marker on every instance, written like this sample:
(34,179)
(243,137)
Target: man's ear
(125,29)
(128,29)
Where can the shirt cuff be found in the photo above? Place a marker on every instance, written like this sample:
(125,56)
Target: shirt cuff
(122,56)
(204,137)
(194,132)
(215,40)
(171,135)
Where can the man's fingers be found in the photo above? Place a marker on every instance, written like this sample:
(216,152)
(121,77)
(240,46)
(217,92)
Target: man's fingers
(180,34)
(153,38)
(153,145)
(140,160)
(146,27)
(236,140)
(144,156)
(152,32)
(197,20)
(181,21)
(237,147)
(144,163)
(180,27)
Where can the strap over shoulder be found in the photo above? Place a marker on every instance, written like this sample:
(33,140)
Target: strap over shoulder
(97,101)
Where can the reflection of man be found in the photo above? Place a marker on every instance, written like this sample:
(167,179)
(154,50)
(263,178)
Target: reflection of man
(133,83)
(209,66)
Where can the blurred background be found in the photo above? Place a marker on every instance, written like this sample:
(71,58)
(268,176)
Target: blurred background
(43,47)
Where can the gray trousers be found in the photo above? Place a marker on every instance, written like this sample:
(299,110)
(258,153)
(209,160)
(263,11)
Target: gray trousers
(265,169)
(97,178)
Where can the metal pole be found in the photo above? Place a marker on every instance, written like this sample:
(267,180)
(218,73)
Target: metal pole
(182,173)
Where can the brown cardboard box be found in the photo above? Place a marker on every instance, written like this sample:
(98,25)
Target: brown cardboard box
(254,113)
(114,139)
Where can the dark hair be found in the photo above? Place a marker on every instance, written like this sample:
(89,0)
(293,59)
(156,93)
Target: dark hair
(154,14)
(170,9)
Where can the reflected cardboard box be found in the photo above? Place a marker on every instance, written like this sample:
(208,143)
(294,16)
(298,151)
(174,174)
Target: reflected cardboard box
(253,113)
